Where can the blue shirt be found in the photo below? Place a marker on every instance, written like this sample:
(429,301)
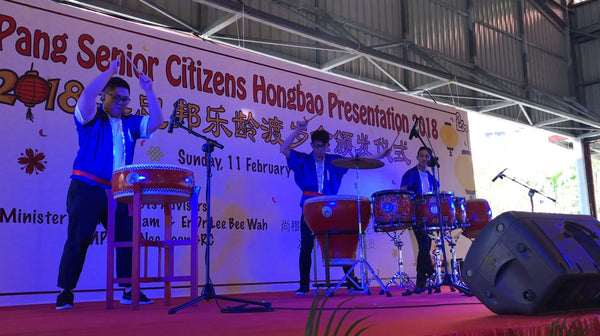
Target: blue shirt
(305,173)
(412,179)
(95,154)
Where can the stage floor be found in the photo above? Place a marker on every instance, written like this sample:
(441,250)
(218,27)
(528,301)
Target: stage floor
(446,313)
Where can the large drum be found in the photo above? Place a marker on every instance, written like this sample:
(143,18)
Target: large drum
(478,214)
(337,216)
(460,211)
(426,209)
(393,210)
(160,183)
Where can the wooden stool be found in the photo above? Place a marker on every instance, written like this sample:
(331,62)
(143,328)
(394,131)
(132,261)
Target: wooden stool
(151,184)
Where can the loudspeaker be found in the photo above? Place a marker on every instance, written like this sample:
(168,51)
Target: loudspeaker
(535,263)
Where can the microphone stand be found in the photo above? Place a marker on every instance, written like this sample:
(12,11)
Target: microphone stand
(531,191)
(208,292)
(447,278)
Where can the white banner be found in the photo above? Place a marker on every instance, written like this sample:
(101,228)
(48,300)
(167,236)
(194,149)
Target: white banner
(246,102)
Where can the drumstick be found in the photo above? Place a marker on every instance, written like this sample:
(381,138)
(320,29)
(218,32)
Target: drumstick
(397,135)
(133,65)
(311,118)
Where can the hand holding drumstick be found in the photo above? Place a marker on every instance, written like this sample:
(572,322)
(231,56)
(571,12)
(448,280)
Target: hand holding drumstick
(302,125)
(388,150)
(145,81)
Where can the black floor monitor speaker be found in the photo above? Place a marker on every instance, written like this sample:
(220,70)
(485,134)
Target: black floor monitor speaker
(535,263)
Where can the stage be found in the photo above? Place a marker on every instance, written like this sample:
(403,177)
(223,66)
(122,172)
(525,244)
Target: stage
(441,314)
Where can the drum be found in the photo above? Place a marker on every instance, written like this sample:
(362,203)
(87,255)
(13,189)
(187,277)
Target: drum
(460,211)
(426,210)
(478,215)
(337,215)
(393,210)
(160,183)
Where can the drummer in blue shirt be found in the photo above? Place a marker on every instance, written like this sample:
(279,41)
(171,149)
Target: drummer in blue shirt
(315,175)
(106,142)
(420,181)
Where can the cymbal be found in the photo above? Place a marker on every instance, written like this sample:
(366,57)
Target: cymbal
(357,162)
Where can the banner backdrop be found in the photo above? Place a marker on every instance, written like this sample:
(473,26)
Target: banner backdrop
(248,103)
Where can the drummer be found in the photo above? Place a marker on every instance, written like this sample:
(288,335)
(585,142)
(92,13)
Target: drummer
(420,181)
(315,175)
(106,142)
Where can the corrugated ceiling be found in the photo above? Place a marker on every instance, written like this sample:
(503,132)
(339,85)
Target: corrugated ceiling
(512,59)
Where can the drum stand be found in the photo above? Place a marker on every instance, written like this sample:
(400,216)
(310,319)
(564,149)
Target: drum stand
(455,269)
(438,277)
(405,281)
(364,283)
(208,292)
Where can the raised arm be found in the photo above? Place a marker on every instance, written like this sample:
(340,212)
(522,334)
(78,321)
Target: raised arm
(285,146)
(154,109)
(87,101)
(381,155)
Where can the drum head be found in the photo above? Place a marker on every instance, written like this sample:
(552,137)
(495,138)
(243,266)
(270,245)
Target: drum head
(331,198)
(392,192)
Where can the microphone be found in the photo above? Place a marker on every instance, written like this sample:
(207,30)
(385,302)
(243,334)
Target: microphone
(173,117)
(500,174)
(413,131)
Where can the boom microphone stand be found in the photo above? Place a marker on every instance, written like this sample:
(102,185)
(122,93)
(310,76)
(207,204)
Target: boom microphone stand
(447,277)
(208,292)
(531,191)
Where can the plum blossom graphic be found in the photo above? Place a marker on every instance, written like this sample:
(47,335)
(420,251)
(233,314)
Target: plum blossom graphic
(32,161)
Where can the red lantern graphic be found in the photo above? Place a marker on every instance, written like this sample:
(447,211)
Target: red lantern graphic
(31,89)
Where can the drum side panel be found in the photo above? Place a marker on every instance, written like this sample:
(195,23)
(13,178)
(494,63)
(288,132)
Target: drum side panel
(160,184)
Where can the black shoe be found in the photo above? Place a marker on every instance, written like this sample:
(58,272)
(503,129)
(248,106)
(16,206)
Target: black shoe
(64,300)
(303,290)
(126,299)
(352,288)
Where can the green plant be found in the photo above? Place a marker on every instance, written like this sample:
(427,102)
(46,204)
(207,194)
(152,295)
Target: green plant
(316,311)
(575,328)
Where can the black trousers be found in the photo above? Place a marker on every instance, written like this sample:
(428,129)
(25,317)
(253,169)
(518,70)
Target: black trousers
(424,264)
(87,206)
(306,247)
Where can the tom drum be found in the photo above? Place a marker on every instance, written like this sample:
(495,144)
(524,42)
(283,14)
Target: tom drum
(460,211)
(393,210)
(159,183)
(427,213)
(337,216)
(478,215)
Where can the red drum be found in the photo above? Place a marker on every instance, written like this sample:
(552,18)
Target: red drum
(478,214)
(160,183)
(426,209)
(337,215)
(460,211)
(393,210)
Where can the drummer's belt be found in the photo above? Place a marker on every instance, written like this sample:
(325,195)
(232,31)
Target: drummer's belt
(311,193)
(91,177)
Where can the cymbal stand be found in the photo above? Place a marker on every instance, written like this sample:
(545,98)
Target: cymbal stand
(361,261)
(208,291)
(405,281)
(446,279)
